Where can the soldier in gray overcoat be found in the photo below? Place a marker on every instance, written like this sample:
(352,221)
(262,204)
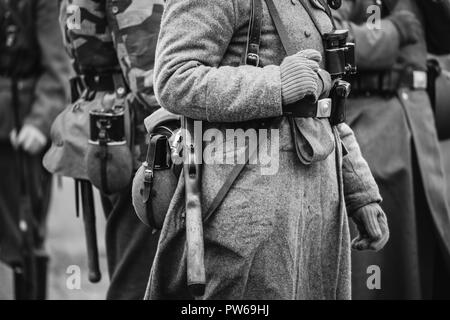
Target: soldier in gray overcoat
(390,112)
(278,236)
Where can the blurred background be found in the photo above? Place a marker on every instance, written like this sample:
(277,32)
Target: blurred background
(67,246)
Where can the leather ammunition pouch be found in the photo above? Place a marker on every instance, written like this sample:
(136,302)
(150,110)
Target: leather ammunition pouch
(332,108)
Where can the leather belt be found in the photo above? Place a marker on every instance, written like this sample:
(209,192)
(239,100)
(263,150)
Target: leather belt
(307,109)
(388,82)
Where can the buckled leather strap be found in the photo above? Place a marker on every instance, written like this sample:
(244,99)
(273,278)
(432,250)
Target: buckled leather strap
(149,166)
(254,34)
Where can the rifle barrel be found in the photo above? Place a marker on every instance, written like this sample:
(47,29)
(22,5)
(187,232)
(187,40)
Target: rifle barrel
(87,200)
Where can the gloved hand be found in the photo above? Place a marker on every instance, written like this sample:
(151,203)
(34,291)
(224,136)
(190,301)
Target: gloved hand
(372,227)
(408,26)
(301,76)
(30,139)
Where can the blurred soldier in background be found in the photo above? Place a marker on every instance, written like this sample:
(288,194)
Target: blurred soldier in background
(112,45)
(391,115)
(33,70)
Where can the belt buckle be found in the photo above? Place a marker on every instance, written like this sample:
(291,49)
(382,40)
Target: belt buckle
(420,80)
(324,108)
(253,59)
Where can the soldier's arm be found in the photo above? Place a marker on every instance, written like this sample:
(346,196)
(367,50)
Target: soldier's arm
(376,48)
(194,36)
(136,30)
(360,188)
(52,85)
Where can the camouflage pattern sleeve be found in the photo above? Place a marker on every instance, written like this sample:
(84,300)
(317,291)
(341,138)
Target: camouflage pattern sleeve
(135,26)
(52,85)
(87,36)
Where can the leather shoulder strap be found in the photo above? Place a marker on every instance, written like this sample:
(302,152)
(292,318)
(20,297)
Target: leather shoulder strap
(232,177)
(254,34)
(251,58)
(223,191)
(288,47)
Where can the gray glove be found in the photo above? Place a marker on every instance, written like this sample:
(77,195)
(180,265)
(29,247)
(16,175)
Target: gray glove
(301,76)
(373,230)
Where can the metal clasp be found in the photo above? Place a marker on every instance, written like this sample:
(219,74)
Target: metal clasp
(324,107)
(253,59)
(420,80)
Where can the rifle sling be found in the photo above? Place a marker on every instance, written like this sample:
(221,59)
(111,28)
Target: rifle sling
(223,191)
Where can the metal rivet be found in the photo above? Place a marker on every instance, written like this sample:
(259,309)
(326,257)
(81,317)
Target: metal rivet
(307,33)
(115,10)
(405,96)
(294,2)
(120,91)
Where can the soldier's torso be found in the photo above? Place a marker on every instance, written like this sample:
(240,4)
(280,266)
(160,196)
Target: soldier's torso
(87,36)
(135,28)
(103,35)
(116,36)
(302,31)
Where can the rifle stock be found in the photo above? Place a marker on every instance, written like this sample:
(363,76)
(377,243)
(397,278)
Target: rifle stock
(196,277)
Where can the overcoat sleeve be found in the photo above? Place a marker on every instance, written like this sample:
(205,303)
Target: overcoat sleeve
(360,187)
(52,85)
(377,47)
(189,79)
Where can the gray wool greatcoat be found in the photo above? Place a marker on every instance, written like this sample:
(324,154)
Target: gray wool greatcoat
(281,236)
